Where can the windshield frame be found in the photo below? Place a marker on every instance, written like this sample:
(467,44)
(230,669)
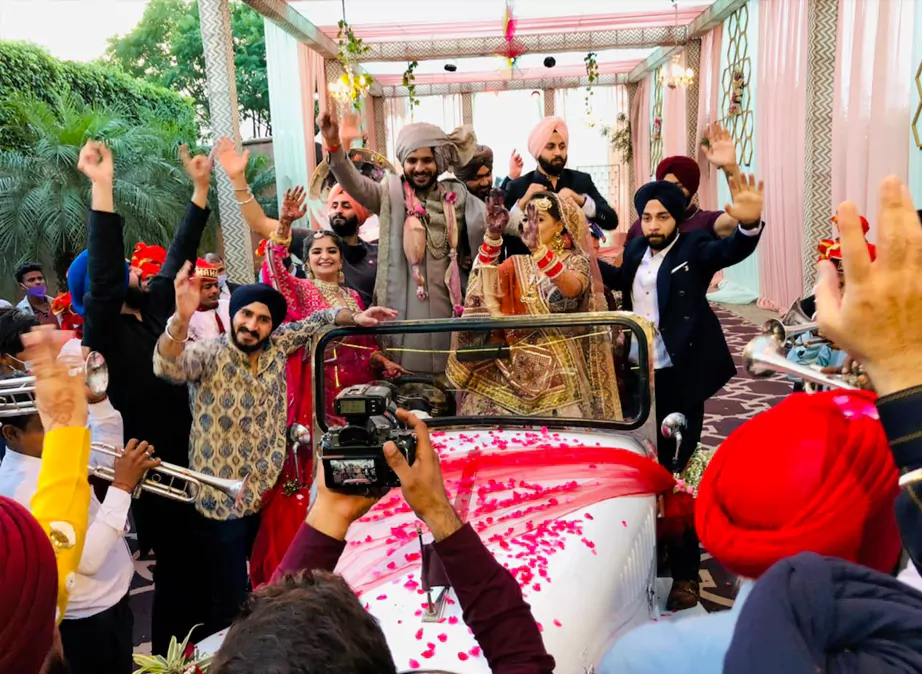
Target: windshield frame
(621,319)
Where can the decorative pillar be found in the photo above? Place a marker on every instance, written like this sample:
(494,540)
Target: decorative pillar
(550,103)
(822,19)
(467,108)
(225,121)
(380,144)
(693,61)
(631,94)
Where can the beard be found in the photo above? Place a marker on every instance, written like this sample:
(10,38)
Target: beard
(343,226)
(247,348)
(554,167)
(422,180)
(135,298)
(481,192)
(659,242)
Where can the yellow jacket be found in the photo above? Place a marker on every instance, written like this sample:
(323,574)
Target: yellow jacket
(62,501)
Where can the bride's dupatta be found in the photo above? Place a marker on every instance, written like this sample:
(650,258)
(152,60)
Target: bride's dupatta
(543,369)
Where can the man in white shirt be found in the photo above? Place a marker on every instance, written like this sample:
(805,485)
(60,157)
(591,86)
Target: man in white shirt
(664,278)
(96,632)
(213,316)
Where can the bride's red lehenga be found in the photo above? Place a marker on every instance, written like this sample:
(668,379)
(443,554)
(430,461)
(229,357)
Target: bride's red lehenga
(348,363)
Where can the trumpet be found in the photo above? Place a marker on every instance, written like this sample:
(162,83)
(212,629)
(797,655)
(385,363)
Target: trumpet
(785,334)
(764,356)
(17,394)
(172,481)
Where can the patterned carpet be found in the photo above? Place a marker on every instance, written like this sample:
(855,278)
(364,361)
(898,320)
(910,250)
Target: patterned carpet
(741,399)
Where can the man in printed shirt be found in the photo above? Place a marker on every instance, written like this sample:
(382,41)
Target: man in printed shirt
(237,394)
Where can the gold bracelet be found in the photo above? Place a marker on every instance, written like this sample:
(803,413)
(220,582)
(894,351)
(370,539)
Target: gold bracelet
(279,241)
(496,243)
(539,254)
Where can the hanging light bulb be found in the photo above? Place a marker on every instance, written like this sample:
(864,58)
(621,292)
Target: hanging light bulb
(675,75)
(350,87)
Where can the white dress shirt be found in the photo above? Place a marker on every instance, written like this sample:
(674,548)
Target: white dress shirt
(204,324)
(105,571)
(106,426)
(645,299)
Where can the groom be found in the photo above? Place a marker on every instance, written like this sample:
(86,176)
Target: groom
(429,228)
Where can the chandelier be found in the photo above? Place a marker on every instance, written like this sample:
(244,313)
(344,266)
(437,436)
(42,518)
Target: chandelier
(675,75)
(350,88)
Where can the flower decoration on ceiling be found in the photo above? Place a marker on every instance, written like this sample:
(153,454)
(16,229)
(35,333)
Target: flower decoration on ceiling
(512,49)
(351,86)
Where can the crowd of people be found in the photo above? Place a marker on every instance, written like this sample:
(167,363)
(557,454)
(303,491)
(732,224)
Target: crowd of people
(211,376)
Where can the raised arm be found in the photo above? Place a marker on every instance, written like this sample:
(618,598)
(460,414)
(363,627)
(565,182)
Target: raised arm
(747,210)
(175,358)
(62,500)
(184,247)
(234,165)
(105,293)
(364,190)
(720,151)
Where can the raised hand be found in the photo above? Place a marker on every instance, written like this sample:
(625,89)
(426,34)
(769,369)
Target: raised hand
(515,165)
(721,149)
(421,483)
(532,190)
(349,130)
(747,200)
(293,208)
(198,167)
(95,162)
(876,317)
(60,396)
(529,228)
(188,292)
(372,316)
(333,511)
(567,193)
(329,130)
(233,163)
(497,216)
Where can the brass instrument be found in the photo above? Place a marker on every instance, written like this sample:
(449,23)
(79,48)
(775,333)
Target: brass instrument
(172,481)
(17,394)
(764,356)
(793,323)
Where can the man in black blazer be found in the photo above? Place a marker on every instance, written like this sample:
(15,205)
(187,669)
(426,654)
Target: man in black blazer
(664,278)
(548,144)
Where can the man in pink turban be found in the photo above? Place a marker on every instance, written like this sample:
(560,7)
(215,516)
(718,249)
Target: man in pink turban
(720,151)
(548,144)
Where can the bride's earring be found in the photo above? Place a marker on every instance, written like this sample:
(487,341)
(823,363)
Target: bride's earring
(557,244)
(342,277)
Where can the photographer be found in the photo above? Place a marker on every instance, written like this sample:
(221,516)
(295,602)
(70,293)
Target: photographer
(316,615)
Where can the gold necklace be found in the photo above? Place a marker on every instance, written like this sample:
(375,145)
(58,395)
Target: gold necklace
(335,294)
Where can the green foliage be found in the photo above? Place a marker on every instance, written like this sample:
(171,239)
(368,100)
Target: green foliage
(28,71)
(44,199)
(592,72)
(165,48)
(409,79)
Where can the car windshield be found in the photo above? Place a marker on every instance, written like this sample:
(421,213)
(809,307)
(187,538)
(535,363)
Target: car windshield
(576,370)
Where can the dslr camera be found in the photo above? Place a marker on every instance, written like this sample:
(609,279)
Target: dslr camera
(352,456)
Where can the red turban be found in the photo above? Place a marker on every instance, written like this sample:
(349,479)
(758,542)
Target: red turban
(542,133)
(148,259)
(361,212)
(684,168)
(205,270)
(812,474)
(28,590)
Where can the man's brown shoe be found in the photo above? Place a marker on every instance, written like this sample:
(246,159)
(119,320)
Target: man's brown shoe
(684,594)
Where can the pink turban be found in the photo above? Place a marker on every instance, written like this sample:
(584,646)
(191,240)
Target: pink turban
(542,133)
(28,590)
(361,212)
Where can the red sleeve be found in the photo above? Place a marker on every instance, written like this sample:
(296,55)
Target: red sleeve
(310,550)
(493,606)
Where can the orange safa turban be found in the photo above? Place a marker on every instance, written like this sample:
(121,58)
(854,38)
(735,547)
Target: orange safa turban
(361,212)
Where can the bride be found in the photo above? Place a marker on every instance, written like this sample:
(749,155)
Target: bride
(536,371)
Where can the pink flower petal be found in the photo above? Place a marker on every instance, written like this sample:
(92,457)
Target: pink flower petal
(414,664)
(462,656)
(443,638)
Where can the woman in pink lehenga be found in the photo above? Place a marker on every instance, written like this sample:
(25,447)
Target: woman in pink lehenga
(349,361)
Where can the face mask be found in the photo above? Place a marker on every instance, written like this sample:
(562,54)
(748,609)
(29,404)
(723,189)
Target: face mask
(38,291)
(222,281)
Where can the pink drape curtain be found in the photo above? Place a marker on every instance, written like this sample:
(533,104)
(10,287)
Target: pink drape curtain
(640,132)
(313,78)
(708,113)
(675,128)
(872,108)
(781,147)
(369,122)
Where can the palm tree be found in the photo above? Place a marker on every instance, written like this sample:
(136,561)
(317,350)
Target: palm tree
(44,199)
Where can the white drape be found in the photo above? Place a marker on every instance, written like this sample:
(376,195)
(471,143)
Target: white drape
(443,111)
(872,108)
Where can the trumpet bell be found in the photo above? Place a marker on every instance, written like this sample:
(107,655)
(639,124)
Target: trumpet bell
(764,356)
(17,394)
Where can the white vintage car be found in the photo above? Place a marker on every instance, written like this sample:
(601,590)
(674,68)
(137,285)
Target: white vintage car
(539,491)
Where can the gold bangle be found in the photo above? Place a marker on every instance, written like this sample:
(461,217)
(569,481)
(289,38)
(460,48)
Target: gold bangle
(539,254)
(496,243)
(279,241)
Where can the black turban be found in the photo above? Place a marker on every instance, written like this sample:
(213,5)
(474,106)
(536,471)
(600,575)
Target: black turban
(668,194)
(259,292)
(483,156)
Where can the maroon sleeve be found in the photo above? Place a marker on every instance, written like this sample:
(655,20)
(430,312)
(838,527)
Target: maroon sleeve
(310,550)
(493,606)
(634,231)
